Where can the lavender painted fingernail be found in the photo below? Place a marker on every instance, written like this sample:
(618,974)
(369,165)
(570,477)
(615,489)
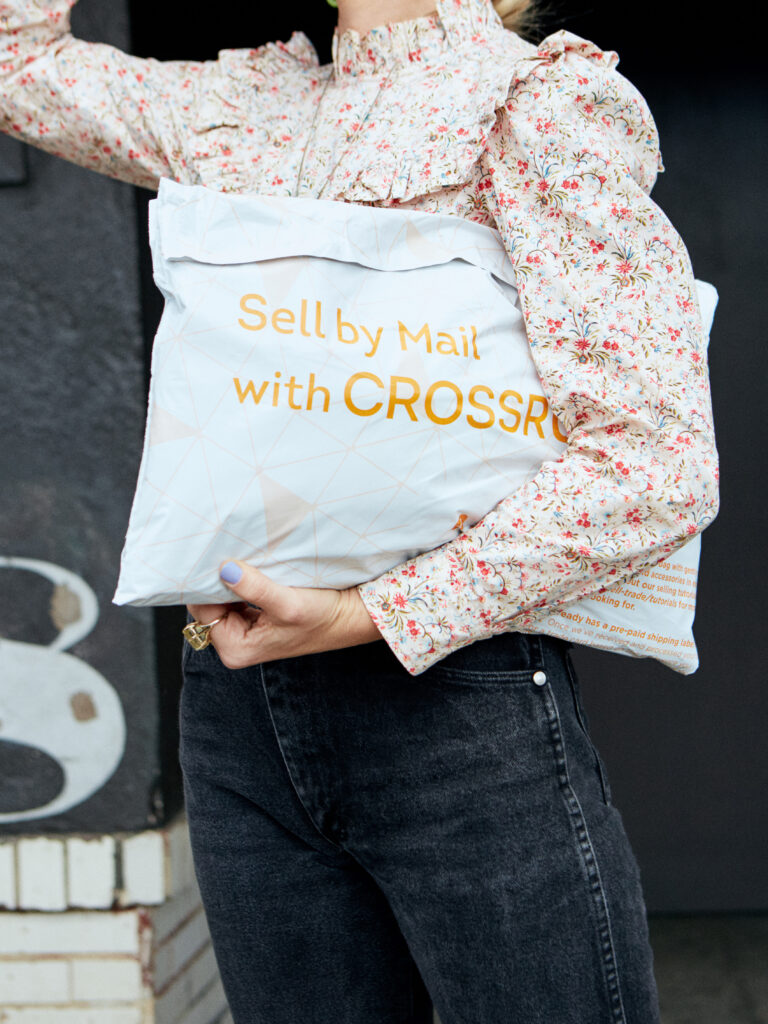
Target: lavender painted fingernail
(231,572)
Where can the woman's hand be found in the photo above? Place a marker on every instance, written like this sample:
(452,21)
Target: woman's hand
(286,622)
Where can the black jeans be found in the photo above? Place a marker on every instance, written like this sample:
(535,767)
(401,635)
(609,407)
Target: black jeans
(363,837)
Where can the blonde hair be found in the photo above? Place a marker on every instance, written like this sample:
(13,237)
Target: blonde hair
(520,16)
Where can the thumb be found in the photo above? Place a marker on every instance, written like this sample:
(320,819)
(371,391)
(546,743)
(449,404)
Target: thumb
(253,586)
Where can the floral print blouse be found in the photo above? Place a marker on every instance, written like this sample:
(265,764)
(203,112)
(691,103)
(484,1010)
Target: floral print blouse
(449,113)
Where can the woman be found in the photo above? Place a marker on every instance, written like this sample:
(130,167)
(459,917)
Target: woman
(393,787)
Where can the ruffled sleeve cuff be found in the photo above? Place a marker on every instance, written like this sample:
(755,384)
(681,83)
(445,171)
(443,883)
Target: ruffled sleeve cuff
(427,607)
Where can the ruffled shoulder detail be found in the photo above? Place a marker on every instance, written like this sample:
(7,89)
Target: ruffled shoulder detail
(408,149)
(239,117)
(272,58)
(563,42)
(569,70)
(440,143)
(229,86)
(442,146)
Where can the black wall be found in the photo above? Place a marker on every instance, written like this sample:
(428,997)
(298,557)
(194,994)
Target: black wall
(686,754)
(87,722)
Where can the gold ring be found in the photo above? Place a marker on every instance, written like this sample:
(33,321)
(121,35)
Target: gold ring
(198,634)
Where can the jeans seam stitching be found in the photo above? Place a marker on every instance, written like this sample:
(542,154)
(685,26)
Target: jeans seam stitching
(520,675)
(589,861)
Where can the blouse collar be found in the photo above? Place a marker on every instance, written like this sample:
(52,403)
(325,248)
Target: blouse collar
(417,41)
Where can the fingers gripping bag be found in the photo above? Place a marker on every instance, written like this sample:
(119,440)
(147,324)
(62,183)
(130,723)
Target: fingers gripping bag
(336,388)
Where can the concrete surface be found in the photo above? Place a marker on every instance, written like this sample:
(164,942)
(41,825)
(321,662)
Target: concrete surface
(713,969)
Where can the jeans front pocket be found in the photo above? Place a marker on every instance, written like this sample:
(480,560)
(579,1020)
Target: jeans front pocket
(513,657)
(583,723)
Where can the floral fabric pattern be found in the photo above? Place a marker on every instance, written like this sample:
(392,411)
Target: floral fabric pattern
(449,113)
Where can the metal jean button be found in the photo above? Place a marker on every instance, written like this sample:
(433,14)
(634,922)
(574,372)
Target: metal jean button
(540,678)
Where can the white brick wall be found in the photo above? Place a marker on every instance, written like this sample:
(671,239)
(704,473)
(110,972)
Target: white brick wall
(112,932)
(7,876)
(95,872)
(145,878)
(27,982)
(72,933)
(40,874)
(91,868)
(102,980)
(77,1015)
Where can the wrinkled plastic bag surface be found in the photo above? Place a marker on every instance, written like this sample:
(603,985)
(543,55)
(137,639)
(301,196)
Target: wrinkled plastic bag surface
(336,388)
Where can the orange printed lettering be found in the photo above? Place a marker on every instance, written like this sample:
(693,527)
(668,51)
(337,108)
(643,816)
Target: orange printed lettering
(479,405)
(341,333)
(253,312)
(431,394)
(512,412)
(348,394)
(293,386)
(449,346)
(466,343)
(556,429)
(536,420)
(373,340)
(313,390)
(303,327)
(250,389)
(283,316)
(406,402)
(424,332)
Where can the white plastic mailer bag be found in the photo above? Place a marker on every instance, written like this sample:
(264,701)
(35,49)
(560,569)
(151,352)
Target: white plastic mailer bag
(336,388)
